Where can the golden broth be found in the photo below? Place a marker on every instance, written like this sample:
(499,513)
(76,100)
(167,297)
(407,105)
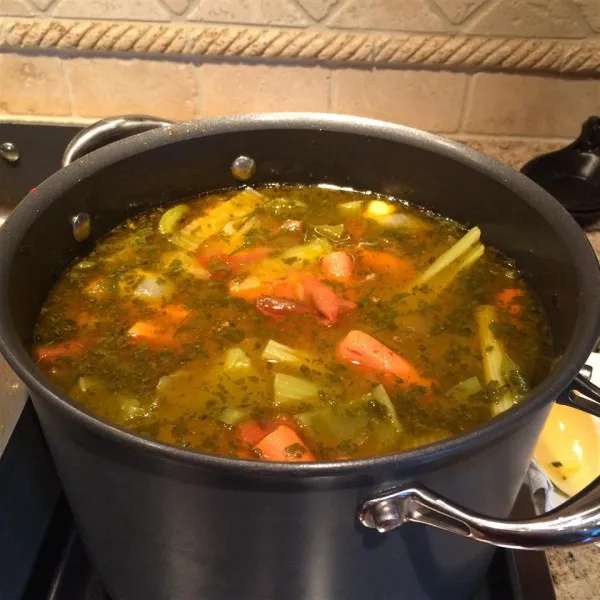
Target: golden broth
(293,323)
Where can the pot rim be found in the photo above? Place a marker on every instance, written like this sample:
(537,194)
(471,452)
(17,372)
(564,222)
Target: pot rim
(583,340)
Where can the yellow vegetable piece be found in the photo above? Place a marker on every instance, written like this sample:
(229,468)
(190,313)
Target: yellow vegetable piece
(218,216)
(172,218)
(350,209)
(379,208)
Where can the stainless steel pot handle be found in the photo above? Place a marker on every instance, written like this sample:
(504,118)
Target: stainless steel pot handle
(107,131)
(577,521)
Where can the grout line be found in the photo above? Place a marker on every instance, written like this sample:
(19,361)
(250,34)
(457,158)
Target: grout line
(301,8)
(70,95)
(198,97)
(47,119)
(467,101)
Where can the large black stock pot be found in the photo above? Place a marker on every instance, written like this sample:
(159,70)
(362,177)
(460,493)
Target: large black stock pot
(163,523)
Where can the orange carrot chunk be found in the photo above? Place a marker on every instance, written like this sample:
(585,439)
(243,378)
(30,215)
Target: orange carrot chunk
(338,265)
(247,257)
(52,352)
(326,301)
(175,313)
(284,445)
(251,432)
(388,264)
(288,288)
(509,300)
(370,356)
(154,334)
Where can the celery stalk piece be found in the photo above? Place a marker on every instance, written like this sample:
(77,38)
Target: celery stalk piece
(311,251)
(291,391)
(236,360)
(215,218)
(514,377)
(493,357)
(465,389)
(282,354)
(452,254)
(233,416)
(332,232)
(448,275)
(381,396)
(350,209)
(185,241)
(188,264)
(172,217)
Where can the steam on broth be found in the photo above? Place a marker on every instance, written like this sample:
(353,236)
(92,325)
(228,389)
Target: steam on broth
(293,323)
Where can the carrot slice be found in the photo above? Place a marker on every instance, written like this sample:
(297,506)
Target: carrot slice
(508,300)
(251,432)
(288,288)
(52,352)
(154,334)
(370,356)
(247,257)
(175,313)
(338,265)
(284,445)
(326,301)
(387,263)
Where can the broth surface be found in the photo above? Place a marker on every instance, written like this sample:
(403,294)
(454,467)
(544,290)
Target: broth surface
(294,324)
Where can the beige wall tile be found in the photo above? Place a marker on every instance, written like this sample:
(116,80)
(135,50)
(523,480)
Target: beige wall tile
(33,85)
(103,87)
(177,6)
(318,9)
(14,7)
(237,88)
(552,18)
(424,99)
(401,15)
(265,12)
(456,11)
(591,12)
(147,10)
(530,104)
(42,4)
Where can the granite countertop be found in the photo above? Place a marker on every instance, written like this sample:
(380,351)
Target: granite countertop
(575,571)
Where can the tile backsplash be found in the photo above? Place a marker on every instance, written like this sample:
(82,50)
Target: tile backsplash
(548,18)
(505,71)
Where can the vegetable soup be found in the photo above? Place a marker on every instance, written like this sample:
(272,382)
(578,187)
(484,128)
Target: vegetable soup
(293,323)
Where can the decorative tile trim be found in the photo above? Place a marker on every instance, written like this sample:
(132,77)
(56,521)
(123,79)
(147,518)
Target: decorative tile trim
(459,52)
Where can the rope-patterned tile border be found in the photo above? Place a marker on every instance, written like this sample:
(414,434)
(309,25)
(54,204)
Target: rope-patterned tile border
(392,50)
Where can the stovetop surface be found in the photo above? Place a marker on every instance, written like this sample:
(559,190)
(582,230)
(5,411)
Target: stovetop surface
(39,542)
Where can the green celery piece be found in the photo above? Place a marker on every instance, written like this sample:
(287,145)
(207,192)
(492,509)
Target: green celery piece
(465,389)
(290,390)
(171,218)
